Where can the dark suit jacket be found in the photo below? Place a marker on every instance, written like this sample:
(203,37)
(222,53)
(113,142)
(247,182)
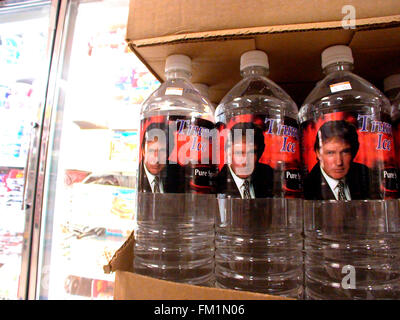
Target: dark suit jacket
(172,178)
(261,179)
(357,179)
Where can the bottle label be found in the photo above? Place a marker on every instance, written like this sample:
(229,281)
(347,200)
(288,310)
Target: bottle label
(261,157)
(396,137)
(341,86)
(176,155)
(173,91)
(349,156)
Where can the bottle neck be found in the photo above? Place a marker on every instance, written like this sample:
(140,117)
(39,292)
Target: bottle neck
(338,66)
(255,71)
(178,74)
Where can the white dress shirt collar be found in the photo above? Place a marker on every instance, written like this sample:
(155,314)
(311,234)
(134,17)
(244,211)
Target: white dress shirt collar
(150,178)
(333,184)
(239,183)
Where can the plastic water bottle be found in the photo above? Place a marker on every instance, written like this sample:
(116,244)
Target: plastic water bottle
(203,89)
(258,106)
(352,249)
(351,231)
(175,219)
(391,86)
(258,232)
(347,139)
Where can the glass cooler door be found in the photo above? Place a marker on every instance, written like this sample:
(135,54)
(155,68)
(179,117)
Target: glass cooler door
(25,46)
(89,170)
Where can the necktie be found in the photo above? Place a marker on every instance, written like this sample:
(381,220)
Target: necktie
(246,189)
(156,185)
(341,194)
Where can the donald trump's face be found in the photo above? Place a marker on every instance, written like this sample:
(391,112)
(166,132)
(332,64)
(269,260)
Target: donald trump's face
(154,153)
(335,157)
(244,158)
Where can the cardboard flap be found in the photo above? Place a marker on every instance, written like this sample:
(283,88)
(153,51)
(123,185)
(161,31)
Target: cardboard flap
(130,286)
(159,18)
(377,53)
(293,33)
(295,58)
(123,257)
(360,24)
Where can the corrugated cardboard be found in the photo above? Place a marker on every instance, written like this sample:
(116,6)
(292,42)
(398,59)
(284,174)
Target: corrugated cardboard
(293,33)
(158,18)
(131,286)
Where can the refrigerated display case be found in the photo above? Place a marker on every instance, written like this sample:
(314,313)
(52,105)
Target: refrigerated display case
(85,198)
(24,63)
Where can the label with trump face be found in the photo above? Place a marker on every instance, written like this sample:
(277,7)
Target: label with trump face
(176,155)
(349,156)
(261,157)
(396,136)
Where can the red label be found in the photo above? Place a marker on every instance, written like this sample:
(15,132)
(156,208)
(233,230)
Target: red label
(274,171)
(351,147)
(396,137)
(176,155)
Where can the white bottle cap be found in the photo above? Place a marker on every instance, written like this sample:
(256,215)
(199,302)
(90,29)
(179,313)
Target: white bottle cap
(391,82)
(203,89)
(178,62)
(254,58)
(336,54)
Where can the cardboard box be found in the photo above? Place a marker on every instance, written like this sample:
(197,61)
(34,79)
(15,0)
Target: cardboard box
(131,286)
(189,16)
(293,33)
(215,34)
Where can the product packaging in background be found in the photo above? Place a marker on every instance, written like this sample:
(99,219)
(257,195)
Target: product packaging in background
(124,146)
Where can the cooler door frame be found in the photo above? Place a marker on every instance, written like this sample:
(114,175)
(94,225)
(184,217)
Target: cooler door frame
(64,27)
(63,16)
(31,166)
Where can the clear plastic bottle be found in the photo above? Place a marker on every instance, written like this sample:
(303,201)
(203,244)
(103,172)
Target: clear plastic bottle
(203,89)
(258,103)
(258,232)
(354,117)
(348,152)
(175,219)
(391,86)
(352,249)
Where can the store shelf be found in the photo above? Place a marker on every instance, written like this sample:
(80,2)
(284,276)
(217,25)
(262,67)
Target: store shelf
(107,166)
(95,254)
(12,218)
(13,164)
(88,125)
